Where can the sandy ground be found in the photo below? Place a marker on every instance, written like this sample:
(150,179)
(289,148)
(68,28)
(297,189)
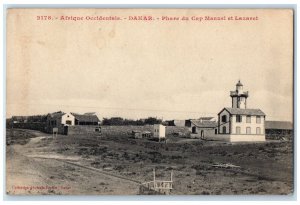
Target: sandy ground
(114,165)
(28,173)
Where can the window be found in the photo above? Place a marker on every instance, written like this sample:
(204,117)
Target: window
(258,131)
(248,119)
(258,119)
(238,118)
(224,118)
(224,130)
(216,131)
(238,130)
(68,122)
(53,123)
(248,130)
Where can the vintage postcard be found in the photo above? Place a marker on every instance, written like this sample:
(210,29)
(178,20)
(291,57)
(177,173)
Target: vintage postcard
(149,102)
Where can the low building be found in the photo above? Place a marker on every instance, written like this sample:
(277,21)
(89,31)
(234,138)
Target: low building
(137,134)
(59,121)
(279,130)
(202,128)
(159,132)
(64,121)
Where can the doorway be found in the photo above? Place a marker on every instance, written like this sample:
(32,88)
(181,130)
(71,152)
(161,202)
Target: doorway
(194,130)
(66,130)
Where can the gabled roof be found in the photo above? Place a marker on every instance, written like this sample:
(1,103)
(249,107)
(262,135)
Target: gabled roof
(204,124)
(279,125)
(238,111)
(86,118)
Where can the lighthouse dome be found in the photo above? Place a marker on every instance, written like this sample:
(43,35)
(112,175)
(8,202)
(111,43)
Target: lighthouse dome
(239,83)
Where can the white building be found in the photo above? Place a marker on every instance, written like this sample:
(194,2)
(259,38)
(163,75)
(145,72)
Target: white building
(68,119)
(238,123)
(159,131)
(63,120)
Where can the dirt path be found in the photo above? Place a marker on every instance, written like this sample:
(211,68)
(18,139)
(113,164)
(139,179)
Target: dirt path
(34,174)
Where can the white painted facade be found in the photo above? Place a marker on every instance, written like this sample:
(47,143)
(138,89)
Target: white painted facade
(252,126)
(239,124)
(239,138)
(224,125)
(159,131)
(68,119)
(241,127)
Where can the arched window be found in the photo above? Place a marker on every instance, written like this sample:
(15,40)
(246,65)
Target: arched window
(224,130)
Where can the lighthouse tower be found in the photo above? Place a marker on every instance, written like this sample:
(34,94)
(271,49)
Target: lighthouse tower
(239,97)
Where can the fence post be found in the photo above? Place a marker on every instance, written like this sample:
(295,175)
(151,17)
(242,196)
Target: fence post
(154,184)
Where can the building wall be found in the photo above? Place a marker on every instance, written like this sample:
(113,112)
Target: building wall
(179,123)
(83,129)
(159,131)
(31,126)
(222,124)
(180,131)
(247,138)
(126,130)
(238,138)
(219,137)
(234,102)
(68,116)
(207,132)
(243,125)
(239,102)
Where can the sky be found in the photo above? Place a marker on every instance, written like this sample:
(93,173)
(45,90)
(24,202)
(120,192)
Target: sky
(137,69)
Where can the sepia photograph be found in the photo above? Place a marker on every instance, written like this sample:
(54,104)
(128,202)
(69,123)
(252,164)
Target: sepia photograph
(149,102)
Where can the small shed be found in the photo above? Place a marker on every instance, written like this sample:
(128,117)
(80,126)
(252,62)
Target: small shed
(279,129)
(159,132)
(141,134)
(136,134)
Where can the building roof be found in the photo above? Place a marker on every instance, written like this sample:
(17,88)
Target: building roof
(56,115)
(206,118)
(179,123)
(199,123)
(279,125)
(239,111)
(86,118)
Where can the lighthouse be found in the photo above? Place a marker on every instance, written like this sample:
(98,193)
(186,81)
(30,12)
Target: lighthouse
(239,97)
(239,123)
